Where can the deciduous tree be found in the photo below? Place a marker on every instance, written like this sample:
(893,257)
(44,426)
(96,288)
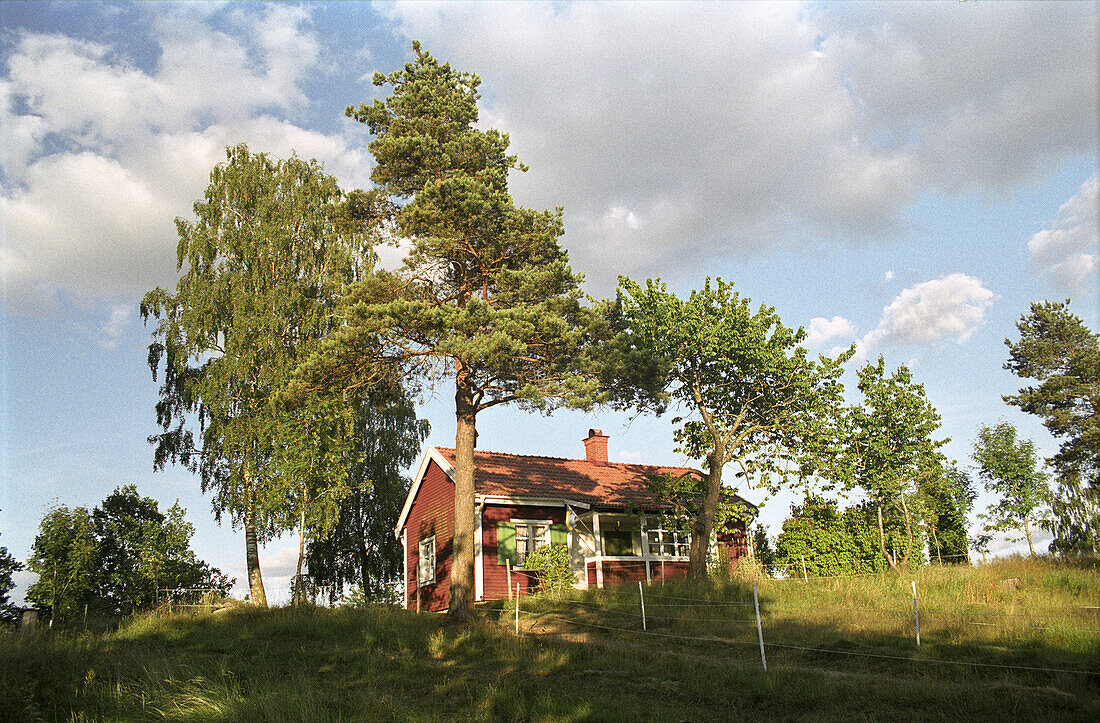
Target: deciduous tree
(1009,468)
(889,446)
(8,566)
(361,549)
(750,394)
(65,556)
(263,263)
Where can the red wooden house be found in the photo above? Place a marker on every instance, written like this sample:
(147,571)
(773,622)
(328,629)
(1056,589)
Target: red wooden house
(616,530)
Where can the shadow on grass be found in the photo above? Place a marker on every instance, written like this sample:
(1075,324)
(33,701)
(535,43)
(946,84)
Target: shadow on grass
(701,662)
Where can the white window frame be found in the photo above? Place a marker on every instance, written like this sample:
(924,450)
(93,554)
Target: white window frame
(425,551)
(529,527)
(679,542)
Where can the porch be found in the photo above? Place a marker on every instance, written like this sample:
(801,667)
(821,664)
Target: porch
(615,548)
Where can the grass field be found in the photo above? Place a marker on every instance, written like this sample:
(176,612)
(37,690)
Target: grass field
(586,657)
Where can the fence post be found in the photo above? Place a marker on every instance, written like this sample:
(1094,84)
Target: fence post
(916,615)
(509,565)
(805,577)
(759,629)
(641,597)
(85,617)
(517,607)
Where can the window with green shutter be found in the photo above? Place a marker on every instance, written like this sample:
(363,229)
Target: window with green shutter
(559,534)
(506,543)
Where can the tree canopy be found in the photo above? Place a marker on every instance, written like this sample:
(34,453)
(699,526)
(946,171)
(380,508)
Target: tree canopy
(264,261)
(749,394)
(361,549)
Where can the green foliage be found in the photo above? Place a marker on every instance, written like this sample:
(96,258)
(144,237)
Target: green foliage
(65,555)
(361,549)
(1057,350)
(263,264)
(762,549)
(889,448)
(684,496)
(8,565)
(815,532)
(833,543)
(1009,468)
(115,558)
(947,495)
(752,394)
(551,564)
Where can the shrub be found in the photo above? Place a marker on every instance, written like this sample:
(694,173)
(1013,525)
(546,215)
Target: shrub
(551,565)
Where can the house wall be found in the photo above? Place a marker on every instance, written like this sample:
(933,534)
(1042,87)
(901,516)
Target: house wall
(432,513)
(618,572)
(734,543)
(496,575)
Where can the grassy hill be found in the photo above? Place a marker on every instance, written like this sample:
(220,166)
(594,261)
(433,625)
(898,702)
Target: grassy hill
(587,658)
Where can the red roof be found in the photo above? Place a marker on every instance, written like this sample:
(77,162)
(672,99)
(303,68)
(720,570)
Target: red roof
(602,485)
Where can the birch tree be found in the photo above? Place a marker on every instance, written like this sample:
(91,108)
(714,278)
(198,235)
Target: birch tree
(272,244)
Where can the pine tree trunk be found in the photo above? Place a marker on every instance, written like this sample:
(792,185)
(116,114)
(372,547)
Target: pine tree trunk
(462,547)
(251,547)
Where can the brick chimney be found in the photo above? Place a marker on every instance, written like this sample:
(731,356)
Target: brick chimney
(595,446)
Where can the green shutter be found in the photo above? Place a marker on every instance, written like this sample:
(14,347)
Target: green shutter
(506,543)
(559,534)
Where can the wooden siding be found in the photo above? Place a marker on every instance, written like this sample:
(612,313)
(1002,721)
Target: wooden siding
(620,572)
(431,513)
(735,543)
(496,575)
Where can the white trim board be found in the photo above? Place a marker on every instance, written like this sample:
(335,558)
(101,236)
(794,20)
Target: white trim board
(431,454)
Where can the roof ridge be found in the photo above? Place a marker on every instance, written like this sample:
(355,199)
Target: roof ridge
(570,459)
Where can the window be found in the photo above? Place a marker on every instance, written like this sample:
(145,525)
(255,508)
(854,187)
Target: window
(669,543)
(530,536)
(425,565)
(618,543)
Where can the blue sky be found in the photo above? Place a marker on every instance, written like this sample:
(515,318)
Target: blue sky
(908,177)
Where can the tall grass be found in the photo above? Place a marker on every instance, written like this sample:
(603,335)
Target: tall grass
(384,663)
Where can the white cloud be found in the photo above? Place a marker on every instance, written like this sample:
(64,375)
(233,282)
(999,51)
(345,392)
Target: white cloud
(949,307)
(822,330)
(1067,251)
(730,128)
(629,457)
(116,322)
(888,276)
(101,155)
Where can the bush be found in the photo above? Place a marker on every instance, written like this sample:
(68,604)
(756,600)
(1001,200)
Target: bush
(551,565)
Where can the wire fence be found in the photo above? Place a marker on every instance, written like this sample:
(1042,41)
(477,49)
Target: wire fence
(697,619)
